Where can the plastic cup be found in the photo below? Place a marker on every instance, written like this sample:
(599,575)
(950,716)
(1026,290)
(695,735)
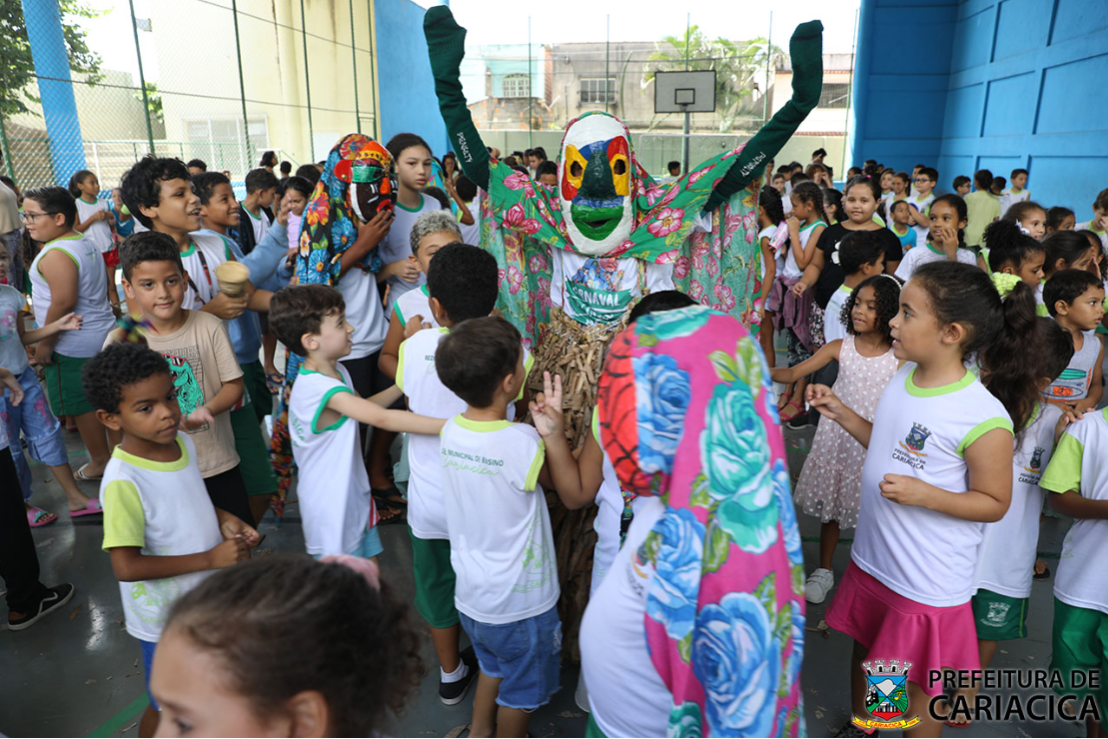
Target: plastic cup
(232,277)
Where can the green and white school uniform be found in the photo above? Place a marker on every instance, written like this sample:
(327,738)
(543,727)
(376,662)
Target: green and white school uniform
(833,327)
(928,253)
(414,303)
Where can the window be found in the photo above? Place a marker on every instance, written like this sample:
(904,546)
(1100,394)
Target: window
(221,142)
(835,95)
(517,86)
(592,90)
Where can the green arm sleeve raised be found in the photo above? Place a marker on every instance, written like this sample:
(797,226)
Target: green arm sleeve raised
(446,47)
(806,50)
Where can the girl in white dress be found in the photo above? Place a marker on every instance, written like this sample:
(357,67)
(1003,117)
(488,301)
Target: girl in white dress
(830,483)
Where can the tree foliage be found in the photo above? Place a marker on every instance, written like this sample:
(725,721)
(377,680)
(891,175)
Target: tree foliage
(738,67)
(17,67)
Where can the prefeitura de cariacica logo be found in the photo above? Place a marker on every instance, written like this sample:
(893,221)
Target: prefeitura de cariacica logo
(886,696)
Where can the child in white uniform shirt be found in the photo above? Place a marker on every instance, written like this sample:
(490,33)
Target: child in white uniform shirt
(501,543)
(335,502)
(938,467)
(947,216)
(464,282)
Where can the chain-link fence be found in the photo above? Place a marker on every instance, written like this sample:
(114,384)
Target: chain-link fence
(89,85)
(218,80)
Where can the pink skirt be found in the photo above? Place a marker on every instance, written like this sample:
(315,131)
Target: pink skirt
(892,627)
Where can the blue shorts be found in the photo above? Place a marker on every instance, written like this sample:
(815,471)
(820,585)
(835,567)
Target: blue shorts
(369,548)
(148,648)
(43,432)
(525,655)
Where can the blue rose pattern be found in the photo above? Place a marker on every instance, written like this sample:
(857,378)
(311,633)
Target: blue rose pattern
(672,599)
(662,399)
(796,655)
(789,528)
(736,657)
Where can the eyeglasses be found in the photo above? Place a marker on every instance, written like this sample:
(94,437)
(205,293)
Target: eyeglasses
(30,217)
(922,179)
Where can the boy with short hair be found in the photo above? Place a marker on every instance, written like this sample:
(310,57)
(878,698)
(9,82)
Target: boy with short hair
(1098,224)
(861,255)
(467,191)
(162,193)
(431,232)
(674,169)
(202,361)
(998,185)
(915,173)
(962,185)
(412,158)
(463,284)
(501,543)
(197,167)
(1075,299)
(1077,477)
(160,528)
(921,202)
(1017,193)
(982,207)
(261,188)
(899,216)
(547,175)
(335,501)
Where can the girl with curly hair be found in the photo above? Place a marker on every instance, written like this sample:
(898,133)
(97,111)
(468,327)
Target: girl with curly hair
(224,665)
(830,484)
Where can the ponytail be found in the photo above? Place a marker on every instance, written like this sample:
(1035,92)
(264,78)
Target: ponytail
(1002,332)
(810,193)
(769,200)
(1008,245)
(77,178)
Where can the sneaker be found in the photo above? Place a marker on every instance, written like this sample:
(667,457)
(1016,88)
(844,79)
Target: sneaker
(819,584)
(850,731)
(55,598)
(454,693)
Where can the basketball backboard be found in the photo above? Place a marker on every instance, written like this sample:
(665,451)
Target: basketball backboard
(685,92)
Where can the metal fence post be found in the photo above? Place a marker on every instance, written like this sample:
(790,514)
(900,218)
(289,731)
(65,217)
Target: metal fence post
(142,80)
(373,69)
(530,87)
(354,59)
(307,81)
(7,152)
(607,57)
(242,84)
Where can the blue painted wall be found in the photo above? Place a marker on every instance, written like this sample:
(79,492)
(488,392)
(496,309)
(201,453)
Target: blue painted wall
(1007,83)
(407,91)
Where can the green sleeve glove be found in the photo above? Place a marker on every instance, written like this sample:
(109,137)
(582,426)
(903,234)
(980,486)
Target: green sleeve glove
(446,47)
(806,50)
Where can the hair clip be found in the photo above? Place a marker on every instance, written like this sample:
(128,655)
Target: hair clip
(1004,283)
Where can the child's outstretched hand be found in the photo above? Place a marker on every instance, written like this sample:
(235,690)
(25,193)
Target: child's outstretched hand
(69,322)
(826,402)
(905,490)
(546,408)
(196,419)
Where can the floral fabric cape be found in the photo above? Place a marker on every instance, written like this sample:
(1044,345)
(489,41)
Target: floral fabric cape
(521,222)
(329,228)
(687,414)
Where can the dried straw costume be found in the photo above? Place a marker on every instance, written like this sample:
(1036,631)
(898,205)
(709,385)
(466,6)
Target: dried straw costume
(357,183)
(574,259)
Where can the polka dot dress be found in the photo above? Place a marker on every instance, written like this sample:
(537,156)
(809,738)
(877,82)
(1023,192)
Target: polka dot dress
(830,484)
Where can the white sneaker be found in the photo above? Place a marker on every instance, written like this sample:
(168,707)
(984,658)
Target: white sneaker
(819,584)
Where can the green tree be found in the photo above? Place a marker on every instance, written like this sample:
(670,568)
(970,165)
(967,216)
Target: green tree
(154,100)
(17,68)
(738,66)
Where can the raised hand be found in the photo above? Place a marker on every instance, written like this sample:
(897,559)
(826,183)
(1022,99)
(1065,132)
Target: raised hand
(546,409)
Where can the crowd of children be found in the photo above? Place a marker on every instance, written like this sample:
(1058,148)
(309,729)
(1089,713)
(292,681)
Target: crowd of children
(948,346)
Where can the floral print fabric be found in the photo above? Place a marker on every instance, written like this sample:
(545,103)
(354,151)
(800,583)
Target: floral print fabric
(687,413)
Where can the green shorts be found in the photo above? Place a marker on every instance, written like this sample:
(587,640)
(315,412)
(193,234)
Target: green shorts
(999,617)
(63,386)
(1080,644)
(257,472)
(434,581)
(253,376)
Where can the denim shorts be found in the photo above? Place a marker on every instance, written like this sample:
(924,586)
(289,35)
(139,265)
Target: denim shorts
(525,655)
(42,431)
(148,648)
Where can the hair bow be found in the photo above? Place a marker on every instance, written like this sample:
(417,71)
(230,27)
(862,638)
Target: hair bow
(1004,283)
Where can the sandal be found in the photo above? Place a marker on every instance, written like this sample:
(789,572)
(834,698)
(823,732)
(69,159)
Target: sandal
(91,508)
(273,381)
(786,417)
(80,475)
(391,507)
(1044,575)
(37,517)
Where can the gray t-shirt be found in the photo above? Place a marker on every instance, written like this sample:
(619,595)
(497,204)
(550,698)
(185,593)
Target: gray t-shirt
(13,356)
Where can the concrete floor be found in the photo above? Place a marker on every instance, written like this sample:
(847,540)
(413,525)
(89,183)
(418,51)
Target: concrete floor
(78,673)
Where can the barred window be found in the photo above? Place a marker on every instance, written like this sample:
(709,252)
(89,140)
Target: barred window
(593,90)
(517,86)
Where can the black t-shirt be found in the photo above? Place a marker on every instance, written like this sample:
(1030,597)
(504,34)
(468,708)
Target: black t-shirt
(832,275)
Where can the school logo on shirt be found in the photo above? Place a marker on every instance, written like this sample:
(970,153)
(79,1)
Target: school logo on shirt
(1034,468)
(910,450)
(886,696)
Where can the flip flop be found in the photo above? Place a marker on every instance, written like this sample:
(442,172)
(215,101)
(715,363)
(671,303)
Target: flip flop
(91,508)
(80,475)
(398,508)
(37,517)
(1044,575)
(273,381)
